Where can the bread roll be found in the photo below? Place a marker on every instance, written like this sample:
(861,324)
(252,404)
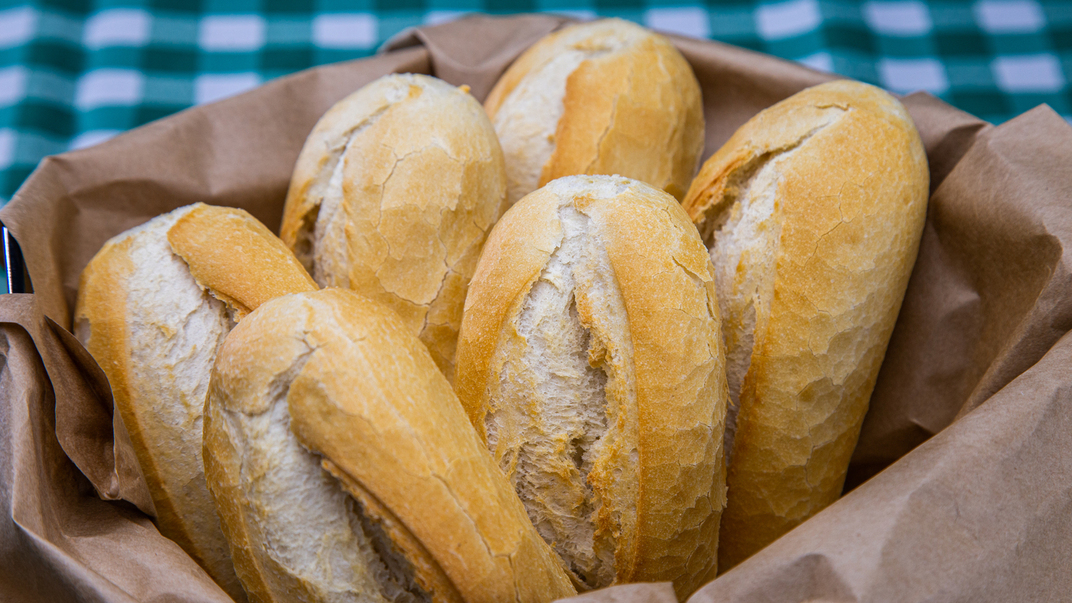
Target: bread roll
(591,362)
(606,97)
(153,306)
(393,195)
(813,212)
(345,469)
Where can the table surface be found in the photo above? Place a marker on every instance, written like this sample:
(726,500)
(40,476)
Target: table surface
(76,72)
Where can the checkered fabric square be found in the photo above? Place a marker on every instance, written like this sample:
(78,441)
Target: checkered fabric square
(77,72)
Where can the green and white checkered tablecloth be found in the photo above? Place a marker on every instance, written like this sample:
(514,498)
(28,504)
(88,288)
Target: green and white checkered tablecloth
(76,72)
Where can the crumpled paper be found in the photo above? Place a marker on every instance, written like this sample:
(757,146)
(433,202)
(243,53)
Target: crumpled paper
(960,487)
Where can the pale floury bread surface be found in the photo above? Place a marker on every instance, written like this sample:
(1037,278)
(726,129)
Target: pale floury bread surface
(606,97)
(591,361)
(393,195)
(813,212)
(153,307)
(345,468)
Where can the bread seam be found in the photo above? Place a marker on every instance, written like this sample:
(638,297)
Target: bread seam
(381,519)
(573,443)
(574,270)
(704,209)
(352,510)
(551,129)
(336,202)
(735,206)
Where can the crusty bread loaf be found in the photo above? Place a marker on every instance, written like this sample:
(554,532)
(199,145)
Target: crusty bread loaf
(606,97)
(320,395)
(153,307)
(393,195)
(590,359)
(813,212)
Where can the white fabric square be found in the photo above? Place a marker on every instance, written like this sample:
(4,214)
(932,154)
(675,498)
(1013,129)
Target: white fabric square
(17,26)
(12,85)
(217,86)
(686,21)
(1009,16)
(88,139)
(435,17)
(787,19)
(898,18)
(909,75)
(105,87)
(117,27)
(231,33)
(1028,73)
(353,30)
(821,61)
(7,147)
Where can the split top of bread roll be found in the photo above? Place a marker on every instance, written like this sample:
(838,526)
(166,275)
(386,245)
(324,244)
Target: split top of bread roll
(393,195)
(813,211)
(346,470)
(606,97)
(153,306)
(590,359)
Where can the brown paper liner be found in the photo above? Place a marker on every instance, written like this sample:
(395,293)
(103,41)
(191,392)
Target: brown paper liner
(979,512)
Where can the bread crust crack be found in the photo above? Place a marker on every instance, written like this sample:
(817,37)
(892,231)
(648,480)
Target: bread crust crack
(742,225)
(556,417)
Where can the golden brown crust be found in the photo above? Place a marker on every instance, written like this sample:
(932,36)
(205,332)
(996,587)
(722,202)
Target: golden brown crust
(102,312)
(516,251)
(675,480)
(666,284)
(99,298)
(107,305)
(217,244)
(392,197)
(221,473)
(851,202)
(634,111)
(368,397)
(536,55)
(636,114)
